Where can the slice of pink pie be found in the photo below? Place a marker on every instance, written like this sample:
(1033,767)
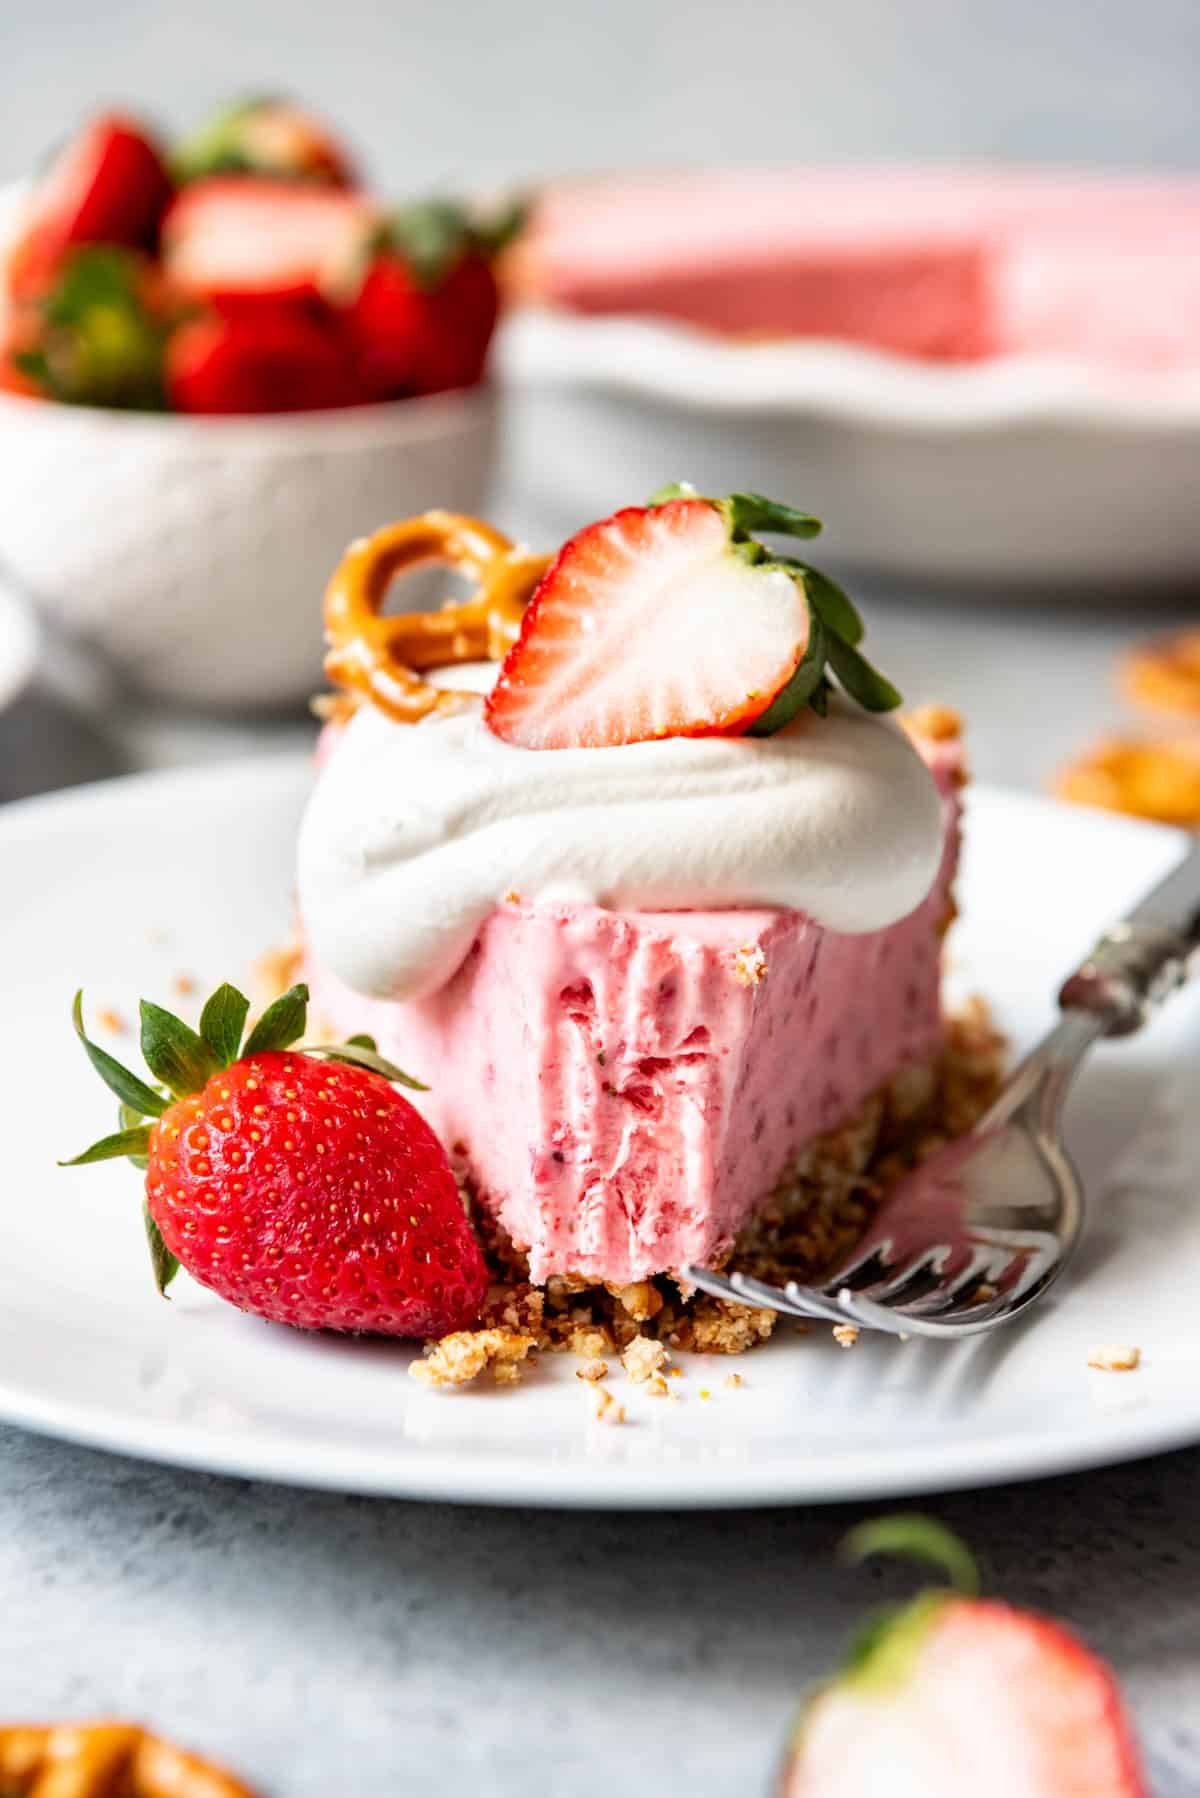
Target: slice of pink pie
(622,1090)
(645,977)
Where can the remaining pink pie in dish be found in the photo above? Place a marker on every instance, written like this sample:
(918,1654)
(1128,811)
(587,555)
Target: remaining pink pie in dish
(949,264)
(660,918)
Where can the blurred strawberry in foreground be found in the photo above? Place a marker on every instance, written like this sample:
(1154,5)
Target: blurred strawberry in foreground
(278,362)
(264,136)
(423,313)
(107,186)
(242,242)
(955,1694)
(98,334)
(297,1184)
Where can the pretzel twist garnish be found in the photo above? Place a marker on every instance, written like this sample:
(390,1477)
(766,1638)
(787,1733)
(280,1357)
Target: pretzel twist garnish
(105,1760)
(383,658)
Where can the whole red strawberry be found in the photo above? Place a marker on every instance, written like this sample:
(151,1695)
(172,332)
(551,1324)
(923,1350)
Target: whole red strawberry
(299,1185)
(954,1693)
(266,135)
(108,186)
(274,361)
(425,310)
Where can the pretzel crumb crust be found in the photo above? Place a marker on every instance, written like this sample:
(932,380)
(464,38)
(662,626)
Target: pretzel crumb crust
(105,1760)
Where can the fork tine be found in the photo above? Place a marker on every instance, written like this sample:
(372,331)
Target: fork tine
(805,1301)
(967,1321)
(982,1268)
(919,1270)
(740,1289)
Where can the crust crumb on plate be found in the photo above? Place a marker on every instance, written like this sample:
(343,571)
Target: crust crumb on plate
(846,1335)
(605,1408)
(643,1359)
(460,1358)
(1116,1357)
(592,1370)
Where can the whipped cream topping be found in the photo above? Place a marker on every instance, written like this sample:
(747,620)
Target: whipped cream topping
(416,832)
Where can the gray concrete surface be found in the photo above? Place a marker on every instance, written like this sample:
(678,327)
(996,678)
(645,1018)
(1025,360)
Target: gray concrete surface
(350,1647)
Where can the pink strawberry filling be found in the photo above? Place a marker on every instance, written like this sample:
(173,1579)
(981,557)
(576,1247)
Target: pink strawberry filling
(624,1089)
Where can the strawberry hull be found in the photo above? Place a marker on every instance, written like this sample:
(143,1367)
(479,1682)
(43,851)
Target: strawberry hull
(623,1090)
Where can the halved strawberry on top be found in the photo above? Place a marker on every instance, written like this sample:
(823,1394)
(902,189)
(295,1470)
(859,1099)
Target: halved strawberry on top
(242,240)
(673,620)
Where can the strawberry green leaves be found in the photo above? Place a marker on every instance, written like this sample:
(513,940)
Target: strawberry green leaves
(920,1538)
(433,236)
(222,1022)
(175,1055)
(832,602)
(802,687)
(100,340)
(836,626)
(121,1145)
(281,1024)
(128,1088)
(163,1263)
(873,691)
(360,1052)
(749,512)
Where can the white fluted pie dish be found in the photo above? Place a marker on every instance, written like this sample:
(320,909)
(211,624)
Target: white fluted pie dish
(1022,470)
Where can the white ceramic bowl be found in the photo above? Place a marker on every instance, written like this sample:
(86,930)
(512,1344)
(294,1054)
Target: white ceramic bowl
(1019,471)
(192,552)
(18,644)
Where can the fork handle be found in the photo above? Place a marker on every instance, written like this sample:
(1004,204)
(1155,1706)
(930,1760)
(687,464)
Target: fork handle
(1140,961)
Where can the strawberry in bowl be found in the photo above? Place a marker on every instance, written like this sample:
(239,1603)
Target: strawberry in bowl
(109,186)
(173,299)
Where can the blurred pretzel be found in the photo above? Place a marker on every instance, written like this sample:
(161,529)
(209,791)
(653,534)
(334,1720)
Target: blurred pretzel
(105,1760)
(1159,780)
(1166,674)
(383,658)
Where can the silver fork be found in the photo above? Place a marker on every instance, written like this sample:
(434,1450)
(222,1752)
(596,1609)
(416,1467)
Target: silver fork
(982,1229)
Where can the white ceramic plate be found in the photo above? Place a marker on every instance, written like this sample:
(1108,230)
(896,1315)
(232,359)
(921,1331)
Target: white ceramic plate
(122,887)
(1029,470)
